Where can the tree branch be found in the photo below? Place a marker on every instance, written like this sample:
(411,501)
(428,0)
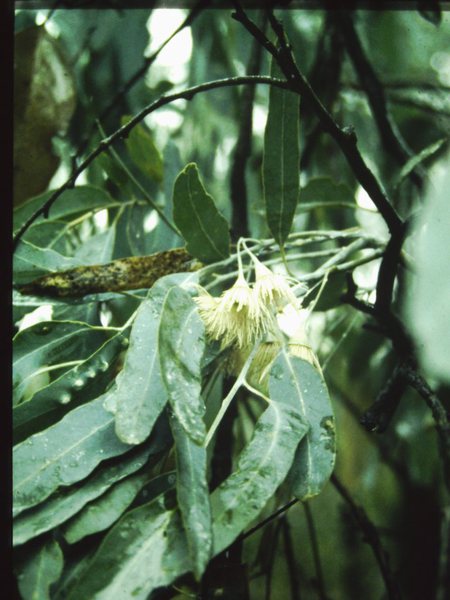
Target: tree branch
(124,131)
(390,136)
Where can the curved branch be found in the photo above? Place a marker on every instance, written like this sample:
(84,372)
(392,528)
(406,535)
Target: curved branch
(124,131)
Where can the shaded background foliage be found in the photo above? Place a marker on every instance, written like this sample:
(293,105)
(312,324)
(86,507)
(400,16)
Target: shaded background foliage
(385,74)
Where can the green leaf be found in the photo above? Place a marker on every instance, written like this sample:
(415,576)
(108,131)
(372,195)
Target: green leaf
(77,384)
(262,467)
(147,549)
(72,202)
(315,456)
(281,162)
(139,394)
(143,152)
(30,262)
(68,502)
(427,303)
(39,571)
(63,454)
(49,344)
(181,347)
(100,514)
(193,497)
(196,216)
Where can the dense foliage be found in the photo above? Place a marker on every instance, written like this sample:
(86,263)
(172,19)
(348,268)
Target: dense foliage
(231,304)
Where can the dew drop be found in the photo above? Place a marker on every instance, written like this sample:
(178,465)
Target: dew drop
(91,373)
(78,383)
(64,398)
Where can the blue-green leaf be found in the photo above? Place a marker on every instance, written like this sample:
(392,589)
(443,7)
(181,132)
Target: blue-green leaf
(262,467)
(193,497)
(69,501)
(43,347)
(315,456)
(147,549)
(139,394)
(181,347)
(79,383)
(103,512)
(39,571)
(281,162)
(196,216)
(63,454)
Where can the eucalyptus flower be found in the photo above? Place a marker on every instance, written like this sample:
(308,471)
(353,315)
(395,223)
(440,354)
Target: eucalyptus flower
(272,289)
(236,317)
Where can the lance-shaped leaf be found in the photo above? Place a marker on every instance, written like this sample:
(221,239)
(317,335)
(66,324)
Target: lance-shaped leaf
(103,512)
(39,571)
(281,162)
(147,549)
(196,216)
(315,456)
(181,347)
(80,383)
(139,394)
(262,467)
(193,497)
(63,454)
(68,502)
(50,344)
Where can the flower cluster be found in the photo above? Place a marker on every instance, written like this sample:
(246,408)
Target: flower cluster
(267,311)
(244,313)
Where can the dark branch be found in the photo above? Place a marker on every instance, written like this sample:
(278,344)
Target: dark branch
(370,535)
(379,415)
(390,136)
(269,519)
(124,131)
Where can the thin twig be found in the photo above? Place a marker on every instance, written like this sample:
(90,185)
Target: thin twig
(370,535)
(290,560)
(273,548)
(124,131)
(319,580)
(269,519)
